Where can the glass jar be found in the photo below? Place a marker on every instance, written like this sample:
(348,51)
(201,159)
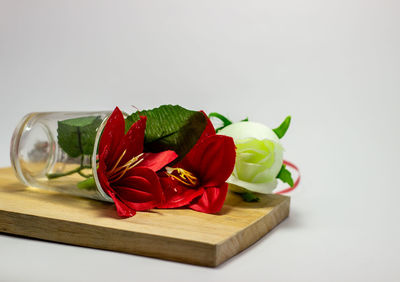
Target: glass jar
(58,151)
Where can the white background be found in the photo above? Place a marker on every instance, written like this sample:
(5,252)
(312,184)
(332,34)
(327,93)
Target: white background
(333,65)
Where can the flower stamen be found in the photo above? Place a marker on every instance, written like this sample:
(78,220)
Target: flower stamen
(183,176)
(117,163)
(118,171)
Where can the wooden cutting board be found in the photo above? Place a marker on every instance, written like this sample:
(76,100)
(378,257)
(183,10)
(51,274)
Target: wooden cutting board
(177,234)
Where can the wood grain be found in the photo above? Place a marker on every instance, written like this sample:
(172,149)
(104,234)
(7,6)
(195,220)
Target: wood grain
(178,234)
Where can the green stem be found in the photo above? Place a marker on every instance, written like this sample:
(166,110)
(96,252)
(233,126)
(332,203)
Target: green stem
(85,175)
(57,175)
(76,170)
(222,118)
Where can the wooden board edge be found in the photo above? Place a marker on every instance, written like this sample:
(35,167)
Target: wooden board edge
(99,237)
(245,238)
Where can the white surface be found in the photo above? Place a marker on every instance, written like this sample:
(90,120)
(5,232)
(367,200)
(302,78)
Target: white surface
(333,65)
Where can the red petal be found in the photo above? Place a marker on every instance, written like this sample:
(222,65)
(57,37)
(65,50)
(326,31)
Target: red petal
(101,171)
(177,195)
(135,193)
(209,130)
(136,182)
(132,142)
(156,161)
(140,179)
(212,160)
(144,199)
(113,132)
(122,209)
(212,199)
(138,190)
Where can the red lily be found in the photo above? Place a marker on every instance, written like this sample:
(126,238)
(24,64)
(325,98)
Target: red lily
(125,173)
(198,181)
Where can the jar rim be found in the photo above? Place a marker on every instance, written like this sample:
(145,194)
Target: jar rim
(94,158)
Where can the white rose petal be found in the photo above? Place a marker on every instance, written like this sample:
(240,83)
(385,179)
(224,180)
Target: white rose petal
(259,157)
(249,129)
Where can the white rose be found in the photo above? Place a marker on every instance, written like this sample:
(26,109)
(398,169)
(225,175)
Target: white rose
(259,157)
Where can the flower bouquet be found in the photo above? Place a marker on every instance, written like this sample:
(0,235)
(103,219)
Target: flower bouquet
(167,157)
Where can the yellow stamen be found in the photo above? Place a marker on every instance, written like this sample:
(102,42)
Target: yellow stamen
(116,164)
(128,163)
(117,172)
(183,176)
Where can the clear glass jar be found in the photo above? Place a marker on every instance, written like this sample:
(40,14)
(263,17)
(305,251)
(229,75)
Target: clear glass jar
(58,151)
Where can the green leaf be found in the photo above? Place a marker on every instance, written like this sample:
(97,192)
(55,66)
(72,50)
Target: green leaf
(87,184)
(281,130)
(170,127)
(76,136)
(285,176)
(249,197)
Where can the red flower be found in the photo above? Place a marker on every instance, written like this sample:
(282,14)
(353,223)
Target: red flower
(125,173)
(198,181)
